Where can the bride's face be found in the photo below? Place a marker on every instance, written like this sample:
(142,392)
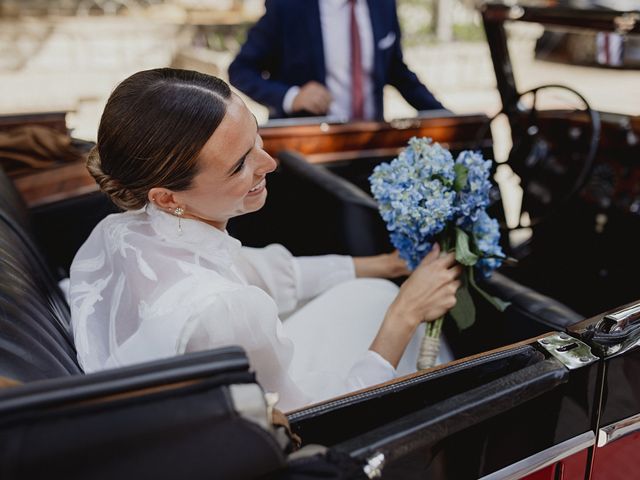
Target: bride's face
(232,172)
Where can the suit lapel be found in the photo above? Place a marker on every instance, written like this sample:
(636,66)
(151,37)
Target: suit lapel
(376,28)
(315,35)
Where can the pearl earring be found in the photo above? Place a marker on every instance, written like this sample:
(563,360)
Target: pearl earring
(178,212)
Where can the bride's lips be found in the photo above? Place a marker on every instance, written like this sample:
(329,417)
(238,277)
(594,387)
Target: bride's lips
(258,188)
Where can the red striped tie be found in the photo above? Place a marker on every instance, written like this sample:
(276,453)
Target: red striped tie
(357,96)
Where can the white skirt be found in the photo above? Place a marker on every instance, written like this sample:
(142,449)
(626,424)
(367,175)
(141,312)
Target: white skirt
(335,329)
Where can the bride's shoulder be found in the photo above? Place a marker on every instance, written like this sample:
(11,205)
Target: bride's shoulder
(116,227)
(129,217)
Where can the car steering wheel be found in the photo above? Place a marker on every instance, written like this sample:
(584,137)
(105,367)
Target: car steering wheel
(552,172)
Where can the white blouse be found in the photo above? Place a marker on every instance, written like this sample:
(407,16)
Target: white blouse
(141,290)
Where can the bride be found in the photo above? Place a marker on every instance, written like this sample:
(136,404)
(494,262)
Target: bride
(181,155)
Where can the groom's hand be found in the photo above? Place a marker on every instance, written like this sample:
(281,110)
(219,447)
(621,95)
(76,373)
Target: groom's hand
(313,97)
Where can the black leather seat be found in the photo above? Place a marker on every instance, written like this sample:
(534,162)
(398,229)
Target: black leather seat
(11,202)
(194,416)
(36,341)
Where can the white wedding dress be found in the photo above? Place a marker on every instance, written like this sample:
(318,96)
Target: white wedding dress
(141,290)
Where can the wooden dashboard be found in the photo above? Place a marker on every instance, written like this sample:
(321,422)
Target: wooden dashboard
(321,143)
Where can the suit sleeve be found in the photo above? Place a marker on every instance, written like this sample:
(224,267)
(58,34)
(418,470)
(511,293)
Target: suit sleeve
(260,53)
(404,79)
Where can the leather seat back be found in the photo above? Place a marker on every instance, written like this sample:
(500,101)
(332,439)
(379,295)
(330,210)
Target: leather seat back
(35,333)
(11,202)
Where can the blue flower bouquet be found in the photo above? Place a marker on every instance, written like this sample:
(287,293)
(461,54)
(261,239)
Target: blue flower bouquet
(425,196)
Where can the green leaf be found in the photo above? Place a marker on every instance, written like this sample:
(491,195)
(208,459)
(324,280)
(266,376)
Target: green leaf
(462,173)
(464,255)
(499,304)
(464,311)
(444,180)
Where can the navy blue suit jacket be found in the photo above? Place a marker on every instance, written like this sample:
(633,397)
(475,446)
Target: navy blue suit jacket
(284,48)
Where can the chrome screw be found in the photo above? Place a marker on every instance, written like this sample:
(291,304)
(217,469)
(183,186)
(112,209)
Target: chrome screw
(373,468)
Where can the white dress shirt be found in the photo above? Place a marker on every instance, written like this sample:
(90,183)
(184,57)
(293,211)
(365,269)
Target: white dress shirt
(140,290)
(335,19)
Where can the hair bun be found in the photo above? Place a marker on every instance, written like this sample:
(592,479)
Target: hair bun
(119,194)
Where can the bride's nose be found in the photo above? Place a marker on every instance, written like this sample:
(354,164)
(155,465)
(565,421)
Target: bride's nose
(266,164)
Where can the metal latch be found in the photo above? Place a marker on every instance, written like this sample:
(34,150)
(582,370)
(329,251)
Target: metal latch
(571,352)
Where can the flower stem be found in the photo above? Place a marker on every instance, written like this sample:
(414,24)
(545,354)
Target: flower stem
(434,328)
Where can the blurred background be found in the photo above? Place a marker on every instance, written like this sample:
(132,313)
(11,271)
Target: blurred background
(69,54)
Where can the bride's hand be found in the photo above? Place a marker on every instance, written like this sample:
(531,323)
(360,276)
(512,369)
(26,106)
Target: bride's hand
(387,265)
(427,294)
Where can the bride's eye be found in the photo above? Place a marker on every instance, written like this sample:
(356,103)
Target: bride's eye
(239,167)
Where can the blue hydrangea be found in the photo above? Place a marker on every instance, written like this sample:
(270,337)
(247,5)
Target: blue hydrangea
(473,197)
(486,234)
(416,196)
(423,191)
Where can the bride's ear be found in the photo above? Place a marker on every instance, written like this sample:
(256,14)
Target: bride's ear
(163,198)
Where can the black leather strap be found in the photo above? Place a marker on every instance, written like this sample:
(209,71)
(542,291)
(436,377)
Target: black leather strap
(50,393)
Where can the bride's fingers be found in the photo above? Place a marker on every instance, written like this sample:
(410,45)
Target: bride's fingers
(448,260)
(456,270)
(432,256)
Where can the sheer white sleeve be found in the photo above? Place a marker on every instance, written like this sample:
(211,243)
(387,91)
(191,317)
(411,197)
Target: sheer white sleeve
(318,274)
(248,317)
(371,369)
(288,279)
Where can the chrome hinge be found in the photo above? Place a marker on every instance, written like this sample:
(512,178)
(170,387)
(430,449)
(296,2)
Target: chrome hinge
(374,466)
(620,319)
(571,352)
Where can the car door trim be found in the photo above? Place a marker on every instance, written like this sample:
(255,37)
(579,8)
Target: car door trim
(618,430)
(544,458)
(373,392)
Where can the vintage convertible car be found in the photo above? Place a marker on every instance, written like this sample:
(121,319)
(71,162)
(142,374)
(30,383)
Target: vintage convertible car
(547,390)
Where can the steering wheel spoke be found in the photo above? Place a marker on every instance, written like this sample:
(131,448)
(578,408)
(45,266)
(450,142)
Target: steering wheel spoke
(553,162)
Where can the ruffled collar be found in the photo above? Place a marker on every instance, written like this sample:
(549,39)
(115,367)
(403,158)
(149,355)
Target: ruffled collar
(199,235)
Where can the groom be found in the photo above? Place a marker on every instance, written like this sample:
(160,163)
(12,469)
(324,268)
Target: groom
(327,57)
